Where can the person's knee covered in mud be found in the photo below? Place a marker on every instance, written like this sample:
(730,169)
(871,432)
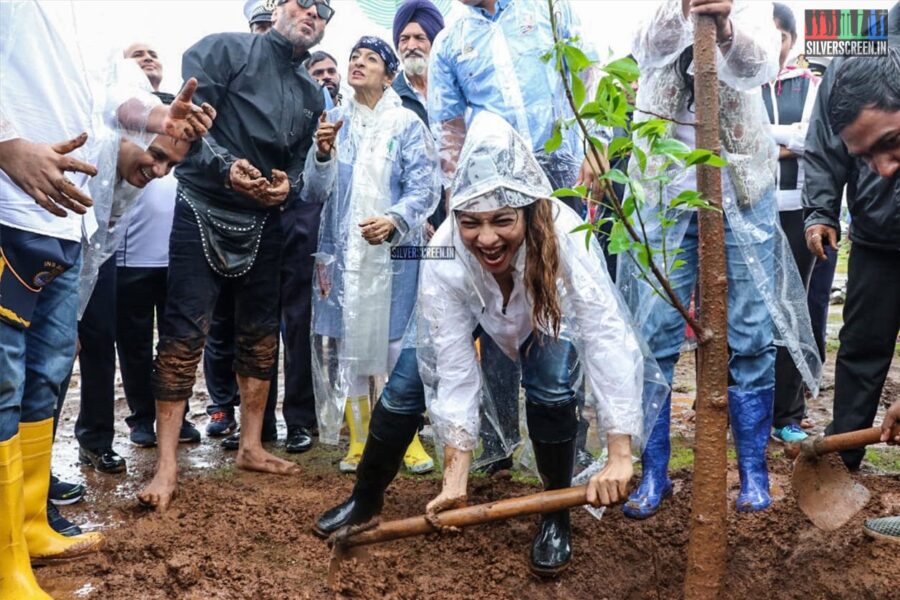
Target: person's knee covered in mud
(175,368)
(255,354)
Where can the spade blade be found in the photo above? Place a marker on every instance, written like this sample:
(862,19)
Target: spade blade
(826,492)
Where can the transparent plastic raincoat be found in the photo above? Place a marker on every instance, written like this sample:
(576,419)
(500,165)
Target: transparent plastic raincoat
(496,169)
(363,295)
(748,179)
(495,65)
(114,198)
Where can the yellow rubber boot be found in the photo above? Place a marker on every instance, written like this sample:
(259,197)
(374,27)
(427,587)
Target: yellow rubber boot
(357,413)
(44,544)
(416,458)
(16,578)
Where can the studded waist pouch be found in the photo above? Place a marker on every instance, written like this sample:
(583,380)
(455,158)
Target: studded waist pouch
(230,237)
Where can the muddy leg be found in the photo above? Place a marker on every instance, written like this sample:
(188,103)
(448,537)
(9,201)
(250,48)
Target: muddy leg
(159,492)
(251,455)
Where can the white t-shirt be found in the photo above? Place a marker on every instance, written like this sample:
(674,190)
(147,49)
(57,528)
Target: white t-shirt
(146,241)
(45,97)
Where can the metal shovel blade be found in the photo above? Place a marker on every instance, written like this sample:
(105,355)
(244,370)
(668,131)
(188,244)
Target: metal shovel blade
(826,492)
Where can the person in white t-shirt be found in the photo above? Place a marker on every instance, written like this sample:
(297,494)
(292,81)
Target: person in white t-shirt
(47,98)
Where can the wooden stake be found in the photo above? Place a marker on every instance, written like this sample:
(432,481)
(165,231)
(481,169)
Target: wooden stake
(708,542)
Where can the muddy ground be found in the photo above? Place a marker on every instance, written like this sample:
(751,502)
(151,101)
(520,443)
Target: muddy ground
(232,534)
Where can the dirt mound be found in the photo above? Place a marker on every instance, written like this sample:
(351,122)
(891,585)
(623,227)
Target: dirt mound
(243,535)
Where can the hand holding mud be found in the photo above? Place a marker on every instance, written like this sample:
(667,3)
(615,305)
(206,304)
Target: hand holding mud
(184,119)
(40,170)
(249,181)
(611,484)
(326,135)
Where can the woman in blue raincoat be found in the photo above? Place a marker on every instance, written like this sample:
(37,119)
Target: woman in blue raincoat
(375,168)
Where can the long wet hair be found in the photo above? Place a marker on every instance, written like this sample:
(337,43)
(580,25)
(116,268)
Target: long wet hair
(542,265)
(682,64)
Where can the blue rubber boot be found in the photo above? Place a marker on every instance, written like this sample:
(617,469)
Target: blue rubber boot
(655,483)
(751,422)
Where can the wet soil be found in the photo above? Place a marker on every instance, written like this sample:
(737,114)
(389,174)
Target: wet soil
(241,535)
(231,534)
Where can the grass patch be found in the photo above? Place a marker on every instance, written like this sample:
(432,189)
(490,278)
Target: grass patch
(223,473)
(886,460)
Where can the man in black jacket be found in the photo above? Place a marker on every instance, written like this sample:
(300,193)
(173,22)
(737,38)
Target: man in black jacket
(227,225)
(854,139)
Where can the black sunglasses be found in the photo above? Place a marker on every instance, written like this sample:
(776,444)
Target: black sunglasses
(324,11)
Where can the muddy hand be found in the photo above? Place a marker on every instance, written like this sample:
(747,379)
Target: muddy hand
(277,191)
(440,504)
(347,531)
(326,135)
(247,179)
(185,120)
(40,171)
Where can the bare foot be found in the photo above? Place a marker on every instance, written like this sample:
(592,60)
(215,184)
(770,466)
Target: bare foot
(257,459)
(159,492)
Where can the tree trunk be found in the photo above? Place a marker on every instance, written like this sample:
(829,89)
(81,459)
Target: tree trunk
(709,527)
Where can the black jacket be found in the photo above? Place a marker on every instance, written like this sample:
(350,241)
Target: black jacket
(411,102)
(268,109)
(874,201)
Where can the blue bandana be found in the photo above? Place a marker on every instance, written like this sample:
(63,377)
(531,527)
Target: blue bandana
(382,49)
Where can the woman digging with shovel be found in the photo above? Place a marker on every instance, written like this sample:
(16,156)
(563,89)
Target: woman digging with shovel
(516,271)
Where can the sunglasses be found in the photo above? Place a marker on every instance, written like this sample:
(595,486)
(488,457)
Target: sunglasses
(324,11)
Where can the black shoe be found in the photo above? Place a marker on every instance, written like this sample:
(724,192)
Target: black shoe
(59,523)
(63,493)
(188,433)
(551,549)
(498,466)
(233,441)
(299,439)
(143,436)
(104,460)
(379,465)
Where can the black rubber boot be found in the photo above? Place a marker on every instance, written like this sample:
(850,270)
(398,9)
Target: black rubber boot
(389,436)
(553,429)
(551,549)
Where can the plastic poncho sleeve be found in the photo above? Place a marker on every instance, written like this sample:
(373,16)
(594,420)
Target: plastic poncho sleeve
(207,60)
(318,178)
(750,61)
(610,352)
(826,162)
(446,108)
(420,184)
(454,410)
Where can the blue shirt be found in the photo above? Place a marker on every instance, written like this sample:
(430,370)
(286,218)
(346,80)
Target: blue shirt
(484,62)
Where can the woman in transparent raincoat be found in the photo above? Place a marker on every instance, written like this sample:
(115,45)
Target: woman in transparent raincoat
(766,299)
(378,194)
(512,268)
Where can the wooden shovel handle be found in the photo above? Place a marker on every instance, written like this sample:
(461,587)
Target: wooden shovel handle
(543,502)
(849,441)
